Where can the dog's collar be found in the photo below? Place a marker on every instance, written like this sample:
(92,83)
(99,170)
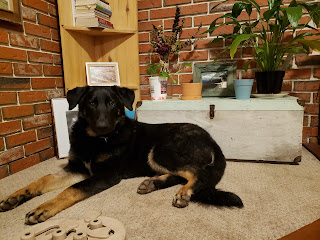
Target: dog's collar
(105,139)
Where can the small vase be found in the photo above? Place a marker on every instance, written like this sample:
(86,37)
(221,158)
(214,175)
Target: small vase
(242,88)
(191,91)
(158,88)
(269,82)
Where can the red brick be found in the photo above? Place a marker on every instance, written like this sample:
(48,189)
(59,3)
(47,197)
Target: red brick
(169,22)
(145,4)
(4,171)
(10,127)
(194,9)
(37,146)
(43,83)
(6,68)
(46,154)
(176,89)
(214,53)
(314,121)
(147,26)
(57,59)
(144,80)
(143,37)
(13,54)
(42,108)
(37,4)
(144,58)
(50,46)
(44,132)
(176,2)
(145,97)
(59,82)
(52,10)
(190,33)
(37,30)
(47,20)
(4,36)
(17,111)
(207,19)
(196,55)
(228,29)
(310,131)
(308,60)
(307,86)
(241,63)
(7,83)
(29,14)
(52,70)
(37,121)
(55,93)
(144,90)
(8,98)
(1,144)
(305,96)
(11,155)
(145,48)
(245,17)
(40,57)
(24,163)
(186,78)
(298,74)
(55,34)
(27,69)
(311,109)
(24,41)
(32,96)
(143,15)
(20,138)
(316,72)
(162,13)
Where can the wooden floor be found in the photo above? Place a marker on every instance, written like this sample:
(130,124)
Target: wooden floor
(308,232)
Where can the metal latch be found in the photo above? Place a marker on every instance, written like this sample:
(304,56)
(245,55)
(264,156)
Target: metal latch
(212,111)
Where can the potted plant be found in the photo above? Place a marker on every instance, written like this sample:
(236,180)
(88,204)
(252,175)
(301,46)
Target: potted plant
(267,36)
(166,45)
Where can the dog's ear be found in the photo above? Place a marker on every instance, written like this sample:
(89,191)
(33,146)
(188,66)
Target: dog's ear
(74,96)
(126,96)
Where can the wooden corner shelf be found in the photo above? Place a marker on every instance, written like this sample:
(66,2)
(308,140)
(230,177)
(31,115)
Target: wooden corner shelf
(99,31)
(81,44)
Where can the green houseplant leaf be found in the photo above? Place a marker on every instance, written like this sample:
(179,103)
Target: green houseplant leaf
(294,15)
(237,41)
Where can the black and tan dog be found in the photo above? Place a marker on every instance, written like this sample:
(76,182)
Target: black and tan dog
(106,147)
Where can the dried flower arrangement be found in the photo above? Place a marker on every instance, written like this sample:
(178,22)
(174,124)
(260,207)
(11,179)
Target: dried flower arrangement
(165,44)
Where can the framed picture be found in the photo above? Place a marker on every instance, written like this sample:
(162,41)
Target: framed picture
(63,120)
(217,78)
(102,73)
(10,15)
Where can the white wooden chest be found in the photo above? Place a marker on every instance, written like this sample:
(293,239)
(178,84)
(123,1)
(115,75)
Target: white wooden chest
(255,129)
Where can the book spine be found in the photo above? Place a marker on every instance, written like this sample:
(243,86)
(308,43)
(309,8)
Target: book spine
(102,9)
(106,22)
(102,4)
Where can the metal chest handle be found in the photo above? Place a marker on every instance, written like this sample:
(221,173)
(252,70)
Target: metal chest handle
(212,111)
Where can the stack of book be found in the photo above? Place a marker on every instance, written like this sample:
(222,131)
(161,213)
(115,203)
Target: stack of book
(92,13)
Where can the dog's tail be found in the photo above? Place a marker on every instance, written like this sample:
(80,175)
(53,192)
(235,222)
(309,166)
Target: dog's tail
(217,197)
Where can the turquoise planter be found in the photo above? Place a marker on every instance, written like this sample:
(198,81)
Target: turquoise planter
(242,88)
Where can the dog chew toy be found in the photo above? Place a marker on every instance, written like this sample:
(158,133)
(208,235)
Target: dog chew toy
(92,227)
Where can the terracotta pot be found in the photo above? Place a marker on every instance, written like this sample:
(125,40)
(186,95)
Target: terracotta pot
(191,91)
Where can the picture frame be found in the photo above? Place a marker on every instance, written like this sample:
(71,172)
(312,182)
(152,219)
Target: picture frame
(10,15)
(63,120)
(102,74)
(217,78)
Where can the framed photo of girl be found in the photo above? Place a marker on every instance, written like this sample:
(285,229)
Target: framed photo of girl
(102,73)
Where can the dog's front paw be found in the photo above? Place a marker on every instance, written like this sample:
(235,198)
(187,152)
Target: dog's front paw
(181,200)
(37,215)
(15,200)
(146,186)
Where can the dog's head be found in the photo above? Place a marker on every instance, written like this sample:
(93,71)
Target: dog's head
(101,107)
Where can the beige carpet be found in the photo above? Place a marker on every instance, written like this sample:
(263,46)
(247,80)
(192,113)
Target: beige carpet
(278,199)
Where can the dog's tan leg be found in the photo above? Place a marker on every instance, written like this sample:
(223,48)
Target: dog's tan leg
(50,208)
(42,185)
(182,198)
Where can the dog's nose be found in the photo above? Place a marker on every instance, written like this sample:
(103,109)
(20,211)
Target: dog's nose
(102,123)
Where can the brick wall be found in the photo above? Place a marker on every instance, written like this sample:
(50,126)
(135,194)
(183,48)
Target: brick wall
(30,75)
(303,80)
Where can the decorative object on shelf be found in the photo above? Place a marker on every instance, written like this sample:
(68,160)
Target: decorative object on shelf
(166,45)
(158,88)
(217,78)
(191,91)
(242,88)
(274,35)
(92,13)
(10,15)
(102,73)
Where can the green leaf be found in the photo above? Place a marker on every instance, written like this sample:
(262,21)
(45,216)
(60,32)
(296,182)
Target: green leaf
(252,2)
(237,8)
(246,65)
(216,40)
(187,64)
(249,9)
(164,74)
(237,41)
(312,43)
(294,15)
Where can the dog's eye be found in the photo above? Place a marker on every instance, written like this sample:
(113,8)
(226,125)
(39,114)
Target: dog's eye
(111,103)
(92,103)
